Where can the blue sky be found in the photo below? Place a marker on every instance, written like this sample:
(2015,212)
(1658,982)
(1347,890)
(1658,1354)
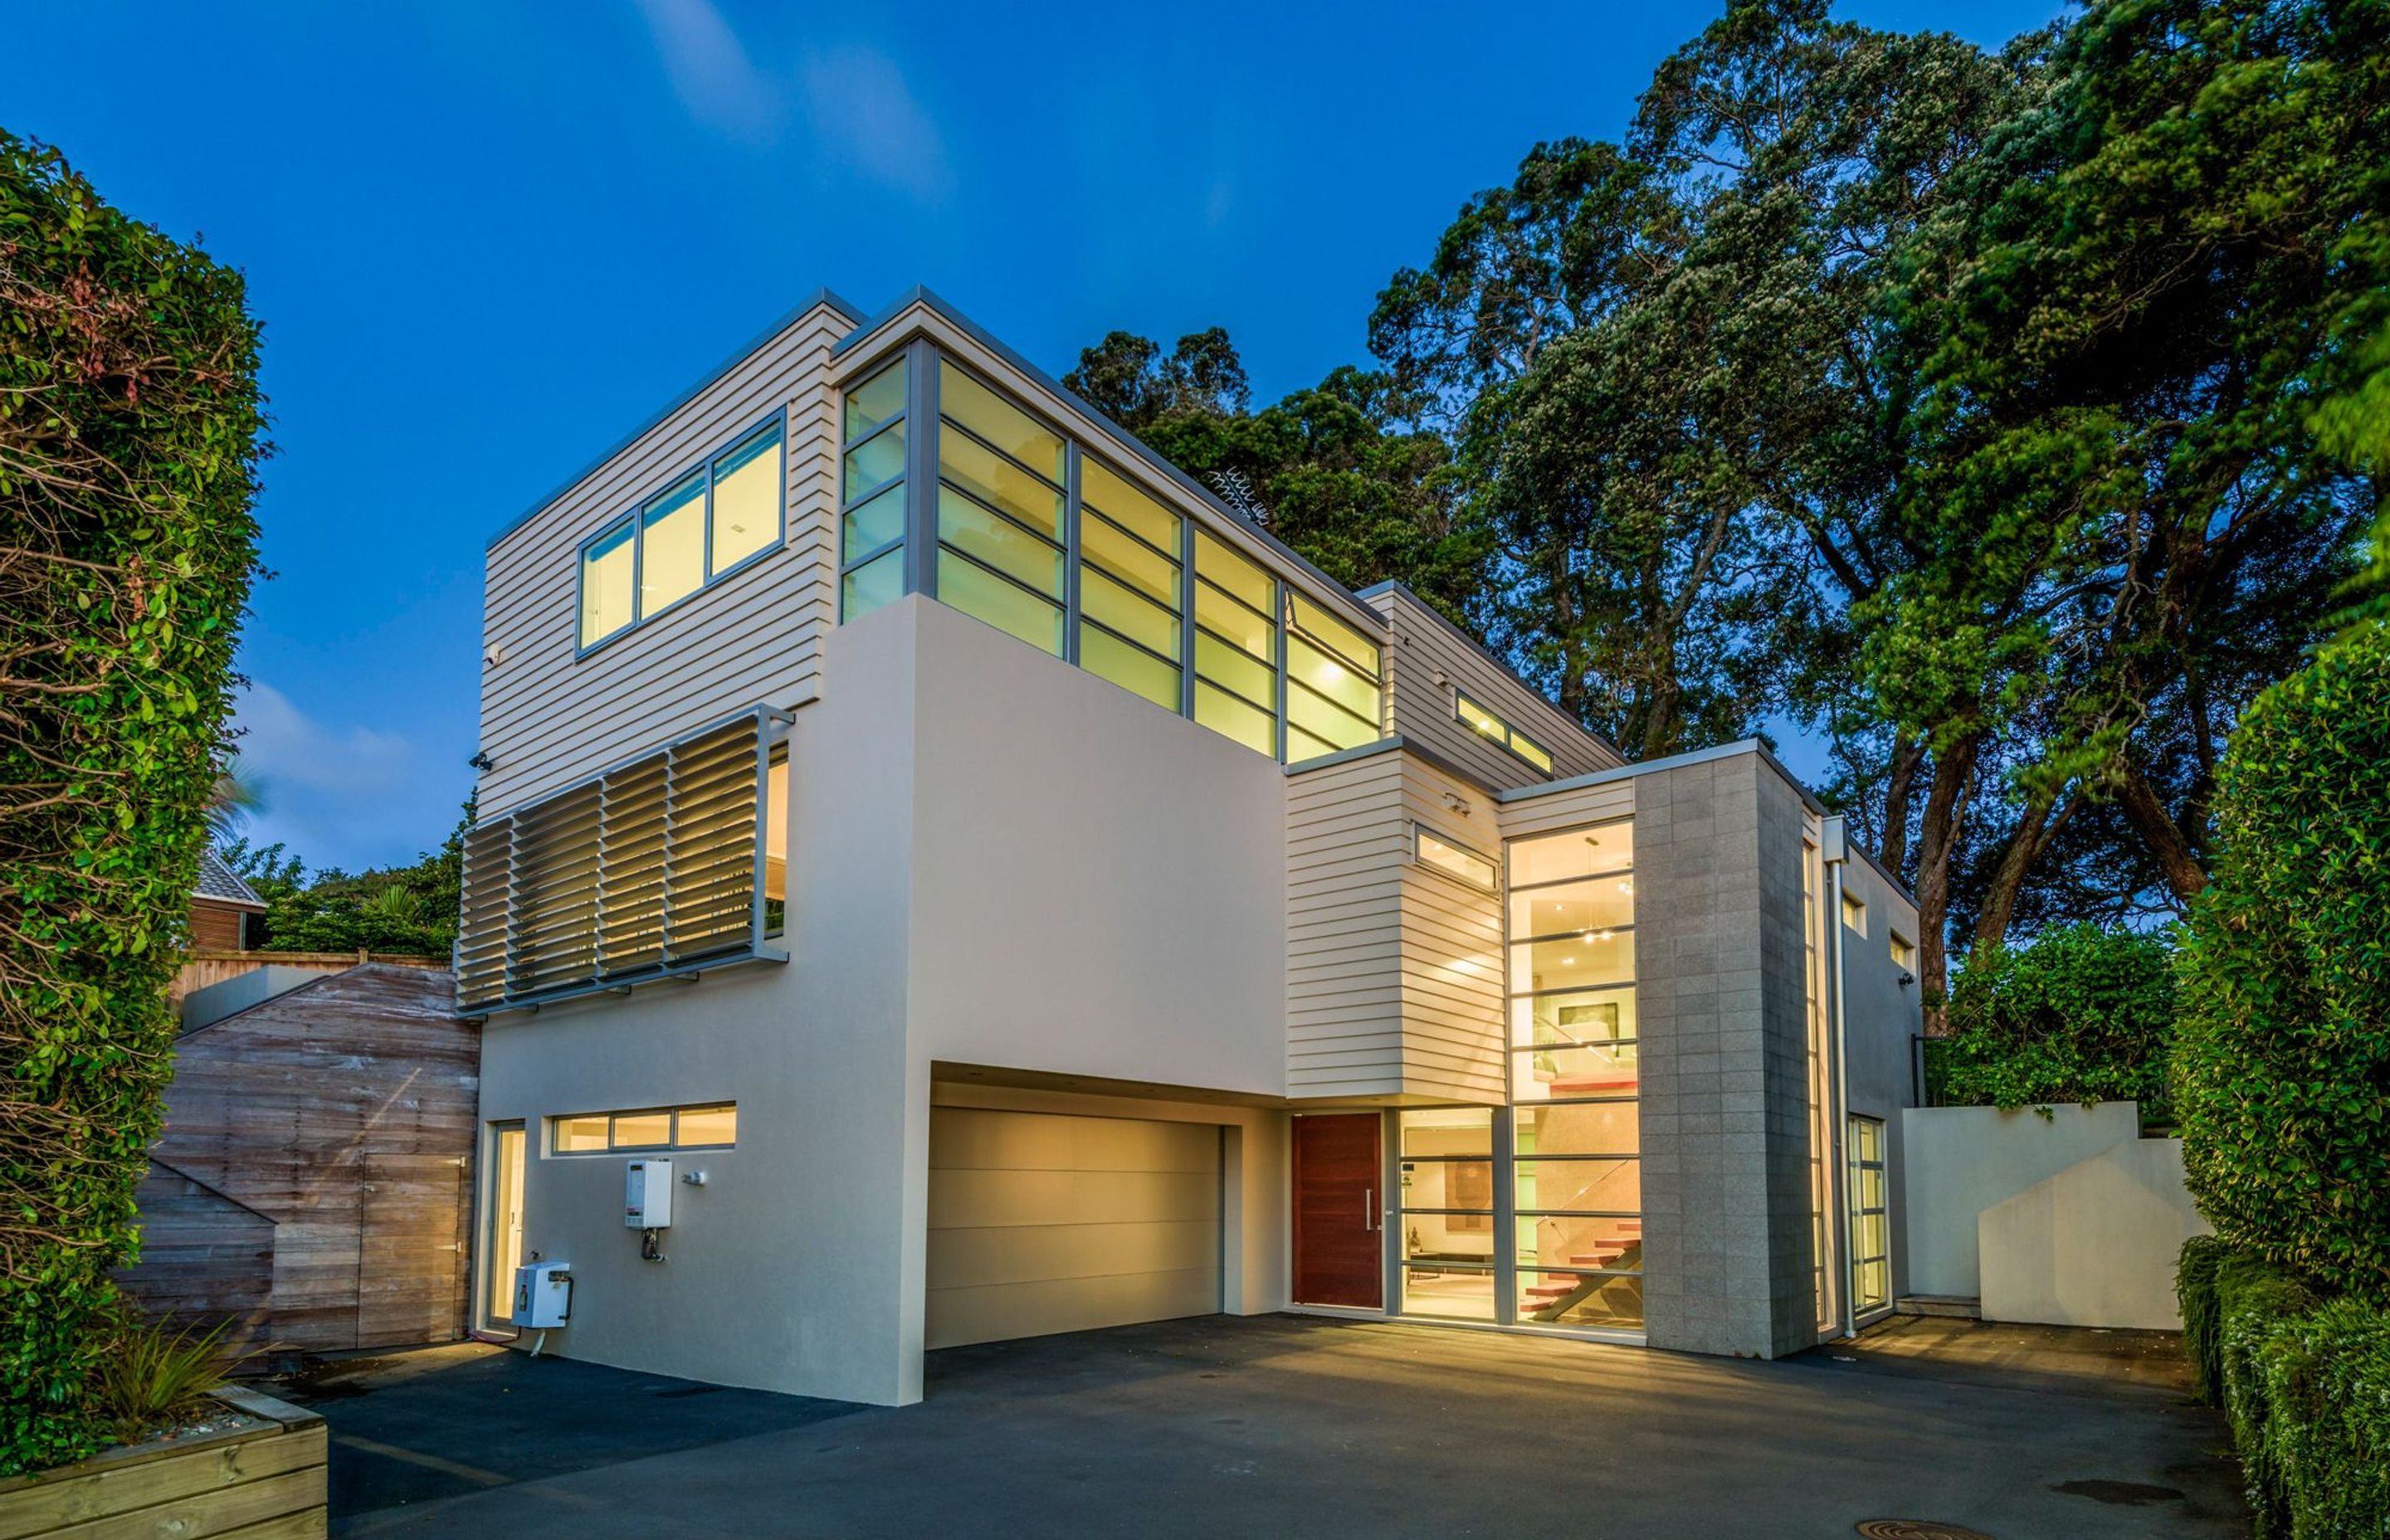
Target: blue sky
(486,239)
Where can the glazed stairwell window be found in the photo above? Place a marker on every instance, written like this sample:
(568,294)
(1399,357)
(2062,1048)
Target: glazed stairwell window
(710,521)
(1576,1079)
(663,866)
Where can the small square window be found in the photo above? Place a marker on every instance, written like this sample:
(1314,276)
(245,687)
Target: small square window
(1904,953)
(1855,912)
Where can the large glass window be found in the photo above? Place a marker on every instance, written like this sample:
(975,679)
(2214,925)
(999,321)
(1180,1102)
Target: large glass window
(1131,600)
(1037,536)
(1446,1201)
(1574,1081)
(1235,646)
(872,499)
(1333,675)
(1001,508)
(1870,1218)
(716,517)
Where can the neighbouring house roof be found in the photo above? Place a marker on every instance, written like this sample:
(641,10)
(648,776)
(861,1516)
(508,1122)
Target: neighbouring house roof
(221,883)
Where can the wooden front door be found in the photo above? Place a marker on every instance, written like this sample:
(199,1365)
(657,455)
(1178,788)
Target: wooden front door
(1339,1199)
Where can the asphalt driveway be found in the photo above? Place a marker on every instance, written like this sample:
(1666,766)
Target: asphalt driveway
(1285,1425)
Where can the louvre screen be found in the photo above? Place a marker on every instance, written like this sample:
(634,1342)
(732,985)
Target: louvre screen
(654,866)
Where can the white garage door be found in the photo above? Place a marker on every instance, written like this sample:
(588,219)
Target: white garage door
(1041,1224)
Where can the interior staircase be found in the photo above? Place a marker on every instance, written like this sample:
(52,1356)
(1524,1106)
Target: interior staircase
(1618,1248)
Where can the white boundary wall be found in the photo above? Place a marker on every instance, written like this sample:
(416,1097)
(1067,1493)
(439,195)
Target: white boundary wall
(2070,1219)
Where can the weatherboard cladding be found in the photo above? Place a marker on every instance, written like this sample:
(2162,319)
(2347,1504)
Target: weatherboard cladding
(1393,970)
(549,714)
(1427,645)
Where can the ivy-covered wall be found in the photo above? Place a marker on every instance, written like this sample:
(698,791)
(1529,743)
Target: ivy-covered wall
(130,431)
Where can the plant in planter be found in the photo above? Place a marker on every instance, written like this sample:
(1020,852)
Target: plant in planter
(153,1375)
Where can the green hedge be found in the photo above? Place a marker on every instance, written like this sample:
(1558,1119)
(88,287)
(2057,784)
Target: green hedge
(2282,1066)
(130,426)
(2304,1385)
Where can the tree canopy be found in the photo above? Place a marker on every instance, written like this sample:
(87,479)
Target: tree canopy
(2009,418)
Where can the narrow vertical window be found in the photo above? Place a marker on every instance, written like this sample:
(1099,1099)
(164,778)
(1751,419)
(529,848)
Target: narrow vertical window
(1870,1218)
(671,547)
(1000,503)
(871,494)
(1235,646)
(1131,607)
(1333,698)
(607,567)
(747,498)
(1576,1079)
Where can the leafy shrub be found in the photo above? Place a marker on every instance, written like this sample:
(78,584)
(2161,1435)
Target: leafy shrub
(2304,1385)
(2282,1068)
(2254,1299)
(2327,1378)
(2194,1288)
(129,435)
(152,1374)
(2083,1014)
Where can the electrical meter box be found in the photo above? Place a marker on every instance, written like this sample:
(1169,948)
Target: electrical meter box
(543,1295)
(647,1195)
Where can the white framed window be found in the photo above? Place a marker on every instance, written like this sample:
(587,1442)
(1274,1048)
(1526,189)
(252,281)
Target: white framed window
(708,1125)
(1458,861)
(1904,952)
(1855,912)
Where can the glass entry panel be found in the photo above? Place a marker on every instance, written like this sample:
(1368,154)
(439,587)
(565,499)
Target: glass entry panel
(1870,1218)
(1447,1212)
(505,1219)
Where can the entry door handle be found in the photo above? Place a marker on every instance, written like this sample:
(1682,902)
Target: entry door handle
(1369,1208)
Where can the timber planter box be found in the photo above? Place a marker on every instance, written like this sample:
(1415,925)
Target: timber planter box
(265,1482)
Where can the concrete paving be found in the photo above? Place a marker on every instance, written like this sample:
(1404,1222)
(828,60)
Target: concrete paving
(1277,1425)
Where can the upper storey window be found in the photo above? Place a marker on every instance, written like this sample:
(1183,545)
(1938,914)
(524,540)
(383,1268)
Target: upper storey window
(1033,534)
(1485,725)
(719,516)
(871,493)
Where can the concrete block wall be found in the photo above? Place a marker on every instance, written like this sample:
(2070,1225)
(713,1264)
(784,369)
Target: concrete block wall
(1718,962)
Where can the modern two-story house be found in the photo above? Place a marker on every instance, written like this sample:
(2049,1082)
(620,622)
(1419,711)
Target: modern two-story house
(1015,894)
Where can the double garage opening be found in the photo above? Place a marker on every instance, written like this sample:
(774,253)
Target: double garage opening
(1042,1222)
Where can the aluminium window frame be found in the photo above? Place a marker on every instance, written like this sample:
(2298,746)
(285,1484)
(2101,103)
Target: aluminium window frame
(926,354)
(1063,543)
(635,518)
(612,1118)
(1510,733)
(1421,833)
(1290,630)
(1881,1165)
(850,562)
